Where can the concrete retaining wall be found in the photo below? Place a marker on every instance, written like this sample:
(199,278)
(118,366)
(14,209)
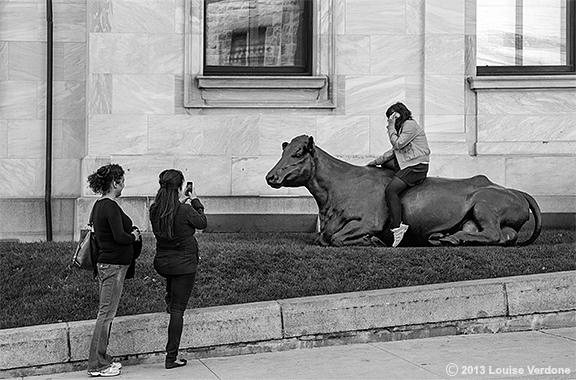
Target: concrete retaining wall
(501,304)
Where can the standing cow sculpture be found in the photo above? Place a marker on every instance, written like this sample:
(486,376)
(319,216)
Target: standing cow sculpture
(439,211)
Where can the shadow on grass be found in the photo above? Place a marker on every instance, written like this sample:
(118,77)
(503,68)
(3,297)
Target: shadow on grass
(38,286)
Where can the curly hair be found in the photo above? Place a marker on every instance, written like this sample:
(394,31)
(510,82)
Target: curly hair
(101,179)
(403,111)
(167,200)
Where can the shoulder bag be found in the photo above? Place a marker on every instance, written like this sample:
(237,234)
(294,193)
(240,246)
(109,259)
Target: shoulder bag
(86,252)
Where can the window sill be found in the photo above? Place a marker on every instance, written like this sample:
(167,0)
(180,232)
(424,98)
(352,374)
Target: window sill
(262,92)
(522,82)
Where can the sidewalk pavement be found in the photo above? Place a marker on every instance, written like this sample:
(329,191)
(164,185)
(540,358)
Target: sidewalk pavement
(544,354)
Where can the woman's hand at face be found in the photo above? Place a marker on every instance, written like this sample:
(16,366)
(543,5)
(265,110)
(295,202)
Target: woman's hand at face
(393,117)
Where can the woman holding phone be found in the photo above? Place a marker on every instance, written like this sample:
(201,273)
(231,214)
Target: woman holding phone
(175,215)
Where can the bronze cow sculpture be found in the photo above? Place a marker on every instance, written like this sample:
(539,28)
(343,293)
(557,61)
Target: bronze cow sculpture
(439,211)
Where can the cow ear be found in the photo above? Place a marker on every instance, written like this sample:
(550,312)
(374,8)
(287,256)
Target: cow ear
(310,145)
(284,145)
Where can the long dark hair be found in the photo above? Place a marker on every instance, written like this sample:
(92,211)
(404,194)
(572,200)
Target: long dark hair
(167,200)
(404,112)
(101,179)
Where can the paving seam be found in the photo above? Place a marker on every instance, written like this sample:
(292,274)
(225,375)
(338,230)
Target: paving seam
(406,360)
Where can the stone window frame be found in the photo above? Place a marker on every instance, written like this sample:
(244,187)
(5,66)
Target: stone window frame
(315,91)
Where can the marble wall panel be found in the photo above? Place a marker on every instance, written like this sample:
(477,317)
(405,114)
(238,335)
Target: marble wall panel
(274,131)
(349,135)
(231,135)
(18,178)
(445,54)
(118,53)
(444,94)
(166,54)
(375,17)
(353,56)
(537,148)
(370,95)
(27,61)
(447,147)
(552,127)
(535,175)
(143,94)
(99,14)
(445,124)
(66,177)
(339,16)
(18,100)
(142,173)
(415,17)
(117,134)
(174,135)
(415,94)
(4,60)
(396,55)
(18,21)
(211,175)
(68,100)
(379,141)
(73,138)
(463,166)
(74,62)
(179,16)
(69,22)
(470,17)
(3,138)
(526,102)
(249,175)
(136,16)
(100,93)
(444,16)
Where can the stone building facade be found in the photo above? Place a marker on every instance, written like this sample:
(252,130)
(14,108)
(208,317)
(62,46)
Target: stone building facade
(129,88)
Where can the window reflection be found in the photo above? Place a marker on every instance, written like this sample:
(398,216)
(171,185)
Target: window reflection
(256,33)
(521,32)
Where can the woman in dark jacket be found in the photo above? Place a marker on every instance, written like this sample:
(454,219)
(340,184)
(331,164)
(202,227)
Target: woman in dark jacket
(116,236)
(174,224)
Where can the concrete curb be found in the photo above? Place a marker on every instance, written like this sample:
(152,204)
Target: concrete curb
(492,305)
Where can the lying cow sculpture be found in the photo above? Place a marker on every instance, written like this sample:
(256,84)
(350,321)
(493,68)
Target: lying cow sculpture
(439,211)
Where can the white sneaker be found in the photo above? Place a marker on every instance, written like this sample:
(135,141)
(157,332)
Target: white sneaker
(116,365)
(399,234)
(108,372)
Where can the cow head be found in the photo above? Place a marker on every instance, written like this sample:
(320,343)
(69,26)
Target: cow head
(296,164)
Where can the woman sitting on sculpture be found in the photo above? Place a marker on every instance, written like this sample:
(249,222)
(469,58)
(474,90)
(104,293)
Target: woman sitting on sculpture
(409,158)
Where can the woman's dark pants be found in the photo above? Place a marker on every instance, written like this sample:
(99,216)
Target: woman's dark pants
(178,290)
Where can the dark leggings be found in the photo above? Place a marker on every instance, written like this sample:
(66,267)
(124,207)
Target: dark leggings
(392,193)
(178,291)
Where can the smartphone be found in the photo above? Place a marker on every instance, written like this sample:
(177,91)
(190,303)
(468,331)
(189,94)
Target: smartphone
(189,187)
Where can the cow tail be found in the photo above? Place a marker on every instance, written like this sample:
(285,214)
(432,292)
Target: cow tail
(537,219)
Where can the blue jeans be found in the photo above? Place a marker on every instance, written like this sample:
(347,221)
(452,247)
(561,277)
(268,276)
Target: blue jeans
(111,278)
(178,290)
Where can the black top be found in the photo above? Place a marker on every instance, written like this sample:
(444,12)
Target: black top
(179,255)
(112,227)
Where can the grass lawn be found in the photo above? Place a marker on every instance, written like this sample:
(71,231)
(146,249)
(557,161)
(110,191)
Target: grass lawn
(38,286)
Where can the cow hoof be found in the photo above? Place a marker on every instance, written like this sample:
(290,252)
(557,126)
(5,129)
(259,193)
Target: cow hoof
(377,242)
(449,240)
(434,239)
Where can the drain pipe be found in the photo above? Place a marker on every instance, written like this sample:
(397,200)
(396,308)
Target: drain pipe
(48,179)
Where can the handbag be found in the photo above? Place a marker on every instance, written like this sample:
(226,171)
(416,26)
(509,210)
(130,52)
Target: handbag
(86,253)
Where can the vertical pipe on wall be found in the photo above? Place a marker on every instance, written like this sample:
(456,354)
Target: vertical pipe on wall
(48,171)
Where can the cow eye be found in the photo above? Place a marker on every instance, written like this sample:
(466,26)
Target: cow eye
(298,153)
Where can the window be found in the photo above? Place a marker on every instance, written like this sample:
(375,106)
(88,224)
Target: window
(258,37)
(525,37)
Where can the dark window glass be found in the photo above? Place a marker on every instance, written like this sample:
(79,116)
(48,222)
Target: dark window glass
(525,37)
(258,37)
